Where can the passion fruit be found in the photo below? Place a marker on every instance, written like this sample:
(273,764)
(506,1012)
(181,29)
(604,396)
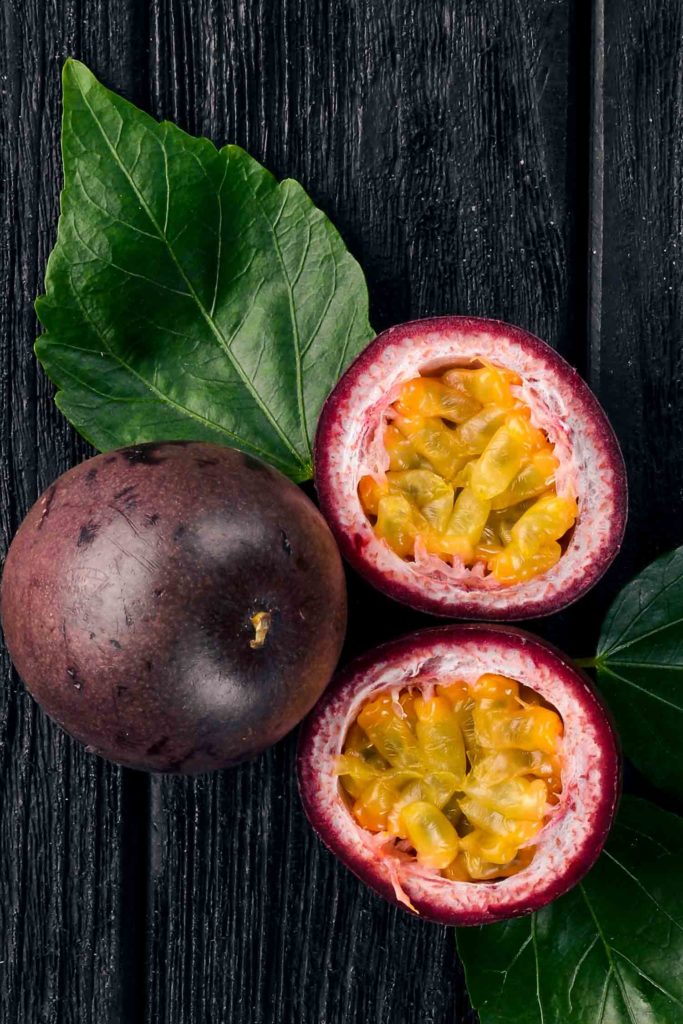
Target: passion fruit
(175,607)
(468,773)
(468,471)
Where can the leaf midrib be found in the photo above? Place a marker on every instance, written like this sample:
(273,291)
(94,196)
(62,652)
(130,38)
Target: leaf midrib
(641,689)
(610,950)
(537,968)
(644,889)
(613,968)
(617,644)
(183,409)
(272,227)
(618,647)
(658,666)
(193,294)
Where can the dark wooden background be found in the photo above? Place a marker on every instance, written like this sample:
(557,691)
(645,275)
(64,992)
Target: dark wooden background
(513,158)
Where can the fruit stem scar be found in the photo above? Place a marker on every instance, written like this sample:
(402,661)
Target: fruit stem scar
(261,623)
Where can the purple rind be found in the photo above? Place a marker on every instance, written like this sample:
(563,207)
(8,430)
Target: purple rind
(487,902)
(456,603)
(129,596)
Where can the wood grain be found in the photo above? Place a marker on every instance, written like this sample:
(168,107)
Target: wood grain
(62,828)
(634,357)
(438,138)
(637,314)
(449,141)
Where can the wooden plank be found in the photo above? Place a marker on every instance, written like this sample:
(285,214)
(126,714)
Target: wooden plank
(438,138)
(62,833)
(637,283)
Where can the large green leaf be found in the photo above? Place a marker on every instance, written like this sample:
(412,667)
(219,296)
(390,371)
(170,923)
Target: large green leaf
(190,295)
(609,952)
(640,669)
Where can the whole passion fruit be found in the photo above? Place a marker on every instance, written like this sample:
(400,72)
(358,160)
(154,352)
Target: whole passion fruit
(469,773)
(467,470)
(175,607)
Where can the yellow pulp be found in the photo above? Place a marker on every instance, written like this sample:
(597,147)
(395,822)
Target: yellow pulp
(464,777)
(469,477)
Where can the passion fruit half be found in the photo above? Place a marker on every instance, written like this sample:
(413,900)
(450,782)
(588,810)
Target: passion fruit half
(467,470)
(468,773)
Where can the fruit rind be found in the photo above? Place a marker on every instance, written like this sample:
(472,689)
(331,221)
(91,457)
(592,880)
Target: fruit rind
(353,410)
(576,832)
(174,606)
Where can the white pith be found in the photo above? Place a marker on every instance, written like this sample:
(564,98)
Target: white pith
(568,833)
(585,470)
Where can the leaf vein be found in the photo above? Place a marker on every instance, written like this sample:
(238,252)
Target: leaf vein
(641,689)
(292,311)
(167,185)
(610,958)
(616,644)
(219,240)
(125,270)
(577,968)
(204,312)
(160,394)
(646,977)
(537,969)
(643,889)
(109,214)
(326,308)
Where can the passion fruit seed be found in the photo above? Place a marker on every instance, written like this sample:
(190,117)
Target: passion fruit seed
(464,777)
(469,477)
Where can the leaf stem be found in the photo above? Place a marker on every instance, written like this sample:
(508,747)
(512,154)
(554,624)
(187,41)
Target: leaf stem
(586,662)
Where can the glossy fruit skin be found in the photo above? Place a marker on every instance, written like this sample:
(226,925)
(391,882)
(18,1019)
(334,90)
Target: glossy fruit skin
(127,599)
(397,355)
(575,835)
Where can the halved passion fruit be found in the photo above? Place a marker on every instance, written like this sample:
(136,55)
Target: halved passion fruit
(469,773)
(467,470)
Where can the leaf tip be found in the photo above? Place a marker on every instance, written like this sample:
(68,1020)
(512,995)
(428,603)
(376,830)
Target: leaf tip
(75,73)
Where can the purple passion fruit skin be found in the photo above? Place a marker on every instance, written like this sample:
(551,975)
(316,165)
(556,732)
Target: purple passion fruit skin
(348,447)
(176,607)
(576,827)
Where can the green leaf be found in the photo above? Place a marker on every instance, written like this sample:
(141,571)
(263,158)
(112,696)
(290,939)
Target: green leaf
(190,295)
(640,669)
(609,952)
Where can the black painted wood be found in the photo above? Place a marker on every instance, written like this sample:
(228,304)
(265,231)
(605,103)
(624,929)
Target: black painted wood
(637,354)
(450,141)
(63,830)
(439,138)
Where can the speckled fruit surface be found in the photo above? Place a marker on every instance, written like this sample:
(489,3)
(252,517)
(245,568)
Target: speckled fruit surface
(132,593)
(576,830)
(561,404)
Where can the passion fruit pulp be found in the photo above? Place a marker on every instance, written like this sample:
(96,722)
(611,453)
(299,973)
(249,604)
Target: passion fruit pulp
(468,471)
(468,773)
(174,606)
(463,774)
